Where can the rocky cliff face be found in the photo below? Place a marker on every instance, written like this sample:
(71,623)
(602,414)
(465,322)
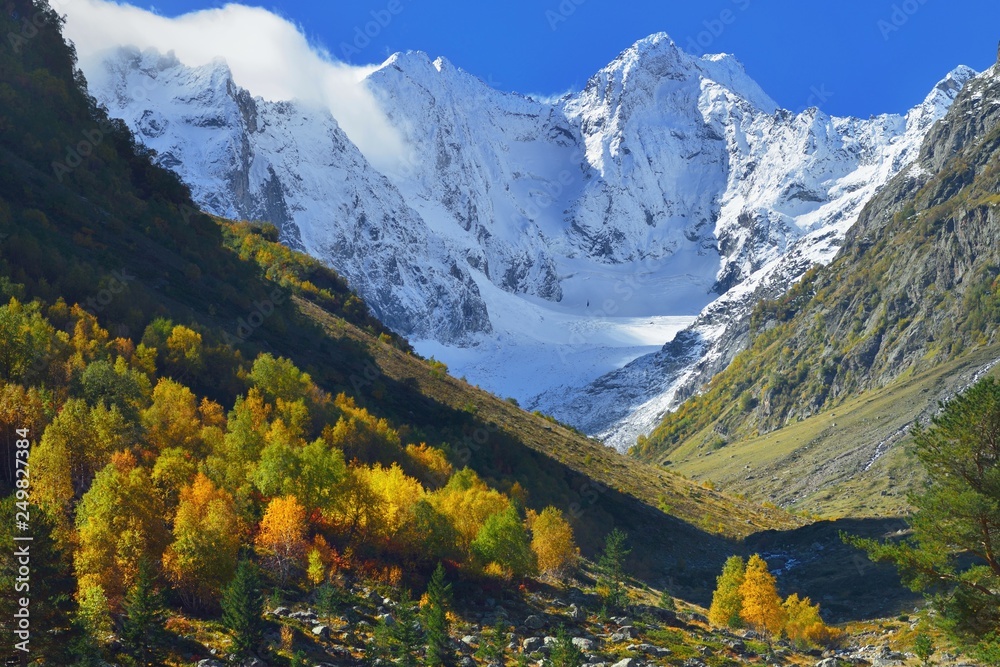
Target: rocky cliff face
(915,286)
(669,184)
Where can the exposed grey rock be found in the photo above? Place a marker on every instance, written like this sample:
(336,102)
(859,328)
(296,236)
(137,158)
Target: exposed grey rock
(534,622)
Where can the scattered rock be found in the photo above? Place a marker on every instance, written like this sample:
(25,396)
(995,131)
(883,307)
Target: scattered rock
(576,613)
(280,611)
(534,622)
(532,644)
(827,662)
(470,640)
(629,631)
(210,663)
(322,632)
(627,662)
(584,644)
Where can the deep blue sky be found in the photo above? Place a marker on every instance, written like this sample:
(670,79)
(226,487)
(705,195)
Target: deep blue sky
(856,57)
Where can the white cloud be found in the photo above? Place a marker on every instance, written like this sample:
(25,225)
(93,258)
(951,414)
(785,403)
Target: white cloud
(267,54)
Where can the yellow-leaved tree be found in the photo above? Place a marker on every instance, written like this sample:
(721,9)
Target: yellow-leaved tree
(553,543)
(202,557)
(119,522)
(282,535)
(762,608)
(727,601)
(804,626)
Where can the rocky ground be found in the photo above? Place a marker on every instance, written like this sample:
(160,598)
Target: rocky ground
(646,635)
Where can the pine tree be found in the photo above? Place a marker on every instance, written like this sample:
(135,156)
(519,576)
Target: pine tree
(611,566)
(142,627)
(956,516)
(397,641)
(761,604)
(564,652)
(493,648)
(407,635)
(923,648)
(435,620)
(726,600)
(243,609)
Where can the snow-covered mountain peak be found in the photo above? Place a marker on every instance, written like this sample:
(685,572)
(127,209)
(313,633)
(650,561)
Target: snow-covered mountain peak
(939,100)
(534,243)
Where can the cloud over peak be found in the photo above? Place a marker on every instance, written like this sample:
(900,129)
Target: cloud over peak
(266,53)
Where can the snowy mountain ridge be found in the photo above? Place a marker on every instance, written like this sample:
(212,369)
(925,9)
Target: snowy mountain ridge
(538,246)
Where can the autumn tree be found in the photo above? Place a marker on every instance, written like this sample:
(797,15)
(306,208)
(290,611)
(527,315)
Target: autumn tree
(207,531)
(727,601)
(119,521)
(503,540)
(280,378)
(282,535)
(802,618)
(184,352)
(468,502)
(173,419)
(78,443)
(553,543)
(26,342)
(761,609)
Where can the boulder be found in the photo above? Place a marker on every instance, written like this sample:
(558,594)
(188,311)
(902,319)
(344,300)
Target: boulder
(627,662)
(532,644)
(584,644)
(534,622)
(322,632)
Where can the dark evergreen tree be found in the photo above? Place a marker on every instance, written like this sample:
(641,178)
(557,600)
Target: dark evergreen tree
(494,644)
(435,620)
(611,566)
(243,609)
(142,626)
(564,652)
(51,583)
(399,640)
